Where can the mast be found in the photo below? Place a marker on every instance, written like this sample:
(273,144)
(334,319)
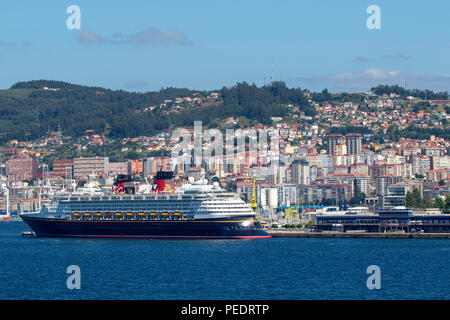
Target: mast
(40,199)
(7,202)
(260,208)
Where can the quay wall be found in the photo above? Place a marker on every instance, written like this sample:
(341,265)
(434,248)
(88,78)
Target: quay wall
(389,235)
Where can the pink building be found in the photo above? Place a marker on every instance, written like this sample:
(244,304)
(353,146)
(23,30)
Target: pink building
(19,169)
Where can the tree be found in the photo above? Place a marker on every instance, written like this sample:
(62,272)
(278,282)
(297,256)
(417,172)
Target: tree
(328,202)
(231,186)
(359,198)
(439,203)
(447,203)
(133,155)
(421,105)
(414,199)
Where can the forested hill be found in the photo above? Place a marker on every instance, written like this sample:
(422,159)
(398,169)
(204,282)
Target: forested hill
(28,110)
(402,92)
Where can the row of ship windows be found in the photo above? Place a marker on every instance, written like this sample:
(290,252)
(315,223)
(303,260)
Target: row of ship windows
(223,202)
(139,214)
(123,207)
(165,197)
(160,208)
(222,210)
(153,203)
(192,226)
(131,203)
(125,218)
(220,207)
(126,215)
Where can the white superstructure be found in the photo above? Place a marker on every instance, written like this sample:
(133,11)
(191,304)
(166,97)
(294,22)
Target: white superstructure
(192,201)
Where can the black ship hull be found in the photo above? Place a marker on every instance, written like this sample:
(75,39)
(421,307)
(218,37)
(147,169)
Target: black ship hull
(176,229)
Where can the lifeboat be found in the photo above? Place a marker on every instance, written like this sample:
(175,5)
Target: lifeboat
(130,214)
(142,214)
(76,214)
(178,214)
(119,214)
(99,214)
(165,214)
(87,214)
(154,214)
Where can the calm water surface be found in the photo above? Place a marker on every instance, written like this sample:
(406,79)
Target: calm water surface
(279,268)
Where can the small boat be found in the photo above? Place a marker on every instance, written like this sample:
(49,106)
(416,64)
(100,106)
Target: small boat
(28,233)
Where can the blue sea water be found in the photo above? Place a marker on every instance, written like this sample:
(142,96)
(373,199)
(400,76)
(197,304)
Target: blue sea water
(277,268)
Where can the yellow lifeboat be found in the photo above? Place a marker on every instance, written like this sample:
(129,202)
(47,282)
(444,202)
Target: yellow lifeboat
(130,214)
(154,214)
(119,214)
(142,214)
(76,214)
(87,214)
(165,214)
(99,214)
(178,214)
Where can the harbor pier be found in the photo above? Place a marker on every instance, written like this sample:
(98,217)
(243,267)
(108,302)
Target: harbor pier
(337,234)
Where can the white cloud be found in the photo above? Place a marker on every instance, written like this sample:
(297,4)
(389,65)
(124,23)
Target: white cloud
(384,58)
(377,73)
(370,77)
(90,37)
(363,59)
(148,36)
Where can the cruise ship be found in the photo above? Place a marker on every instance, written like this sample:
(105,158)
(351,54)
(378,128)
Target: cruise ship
(196,210)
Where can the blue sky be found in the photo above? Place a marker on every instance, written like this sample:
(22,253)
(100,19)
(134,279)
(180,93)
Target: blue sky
(141,45)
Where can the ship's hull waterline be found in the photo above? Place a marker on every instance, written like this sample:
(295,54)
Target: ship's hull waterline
(164,229)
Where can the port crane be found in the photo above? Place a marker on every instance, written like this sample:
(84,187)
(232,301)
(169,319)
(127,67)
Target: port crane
(293,212)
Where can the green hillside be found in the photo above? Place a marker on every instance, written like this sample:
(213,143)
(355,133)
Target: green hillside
(27,110)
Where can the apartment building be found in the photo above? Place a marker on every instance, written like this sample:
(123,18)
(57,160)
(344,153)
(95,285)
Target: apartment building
(83,167)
